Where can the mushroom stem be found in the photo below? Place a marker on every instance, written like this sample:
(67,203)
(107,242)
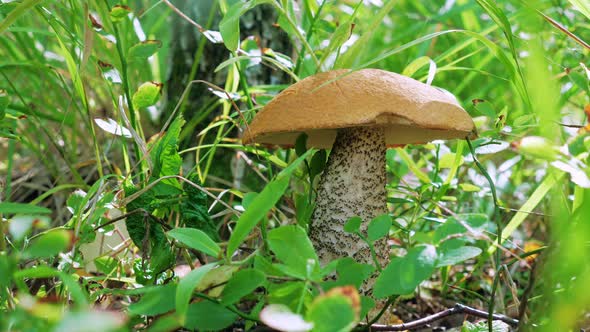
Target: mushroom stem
(353,184)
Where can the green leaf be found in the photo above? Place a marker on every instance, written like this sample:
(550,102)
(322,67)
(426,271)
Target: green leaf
(155,301)
(331,313)
(147,94)
(119,12)
(290,293)
(49,244)
(17,12)
(208,316)
(291,246)
(448,160)
(194,209)
(354,53)
(164,153)
(143,50)
(229,26)
(4,101)
(353,224)
(452,256)
(317,164)
(22,208)
(367,304)
(415,65)
(106,264)
(452,226)
(153,241)
(136,222)
(379,227)
(241,284)
(161,256)
(350,272)
(403,275)
(340,36)
(301,144)
(7,266)
(260,206)
(184,291)
(195,239)
(303,209)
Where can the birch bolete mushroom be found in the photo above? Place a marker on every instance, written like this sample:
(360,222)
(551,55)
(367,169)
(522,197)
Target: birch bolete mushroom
(358,115)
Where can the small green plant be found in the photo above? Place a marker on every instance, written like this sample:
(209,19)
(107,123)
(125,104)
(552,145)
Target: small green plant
(126,205)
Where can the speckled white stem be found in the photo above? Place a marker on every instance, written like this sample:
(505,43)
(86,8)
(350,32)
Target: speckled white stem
(353,184)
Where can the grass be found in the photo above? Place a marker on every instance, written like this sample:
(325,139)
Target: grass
(517,67)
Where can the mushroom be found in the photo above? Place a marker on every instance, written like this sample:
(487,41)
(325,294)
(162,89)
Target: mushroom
(358,114)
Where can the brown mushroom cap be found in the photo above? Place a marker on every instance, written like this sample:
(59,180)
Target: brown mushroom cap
(408,110)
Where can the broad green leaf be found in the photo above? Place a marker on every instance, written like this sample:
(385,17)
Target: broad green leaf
(468,187)
(291,245)
(144,49)
(155,301)
(331,313)
(379,227)
(49,244)
(146,95)
(241,284)
(452,256)
(194,209)
(448,160)
(105,264)
(403,275)
(291,294)
(186,286)
(119,12)
(164,154)
(136,223)
(350,272)
(219,275)
(208,316)
(260,206)
(195,239)
(229,26)
(448,228)
(353,225)
(367,304)
(476,221)
(22,208)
